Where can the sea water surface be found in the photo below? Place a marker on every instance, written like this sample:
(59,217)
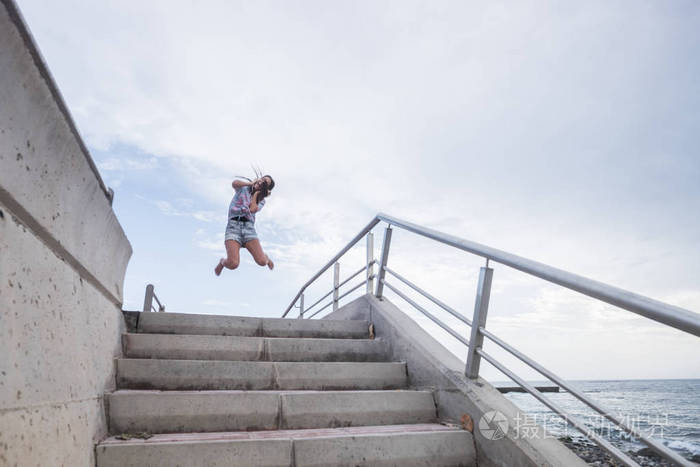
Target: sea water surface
(668,410)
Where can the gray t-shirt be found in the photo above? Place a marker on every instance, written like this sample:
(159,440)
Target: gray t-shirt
(240,204)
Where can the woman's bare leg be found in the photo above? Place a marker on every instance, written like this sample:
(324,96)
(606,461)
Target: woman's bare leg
(233,258)
(258,254)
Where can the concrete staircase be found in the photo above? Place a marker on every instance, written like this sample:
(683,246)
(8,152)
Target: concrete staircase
(238,391)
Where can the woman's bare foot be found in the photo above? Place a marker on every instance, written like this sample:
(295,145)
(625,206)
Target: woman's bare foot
(219,267)
(270,264)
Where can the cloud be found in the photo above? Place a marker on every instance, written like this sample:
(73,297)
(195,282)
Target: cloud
(114,183)
(554,309)
(562,134)
(211,243)
(167,208)
(214,302)
(125,164)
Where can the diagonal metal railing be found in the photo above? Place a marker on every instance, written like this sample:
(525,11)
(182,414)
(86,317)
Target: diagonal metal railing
(664,313)
(148,300)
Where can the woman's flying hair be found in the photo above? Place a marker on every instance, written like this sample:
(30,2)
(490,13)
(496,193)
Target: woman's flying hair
(265,189)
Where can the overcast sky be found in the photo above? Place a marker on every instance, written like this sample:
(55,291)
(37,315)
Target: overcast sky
(565,132)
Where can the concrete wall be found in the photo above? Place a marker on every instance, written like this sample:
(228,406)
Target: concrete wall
(431,366)
(63,256)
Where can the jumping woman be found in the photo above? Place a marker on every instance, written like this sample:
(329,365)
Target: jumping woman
(249,198)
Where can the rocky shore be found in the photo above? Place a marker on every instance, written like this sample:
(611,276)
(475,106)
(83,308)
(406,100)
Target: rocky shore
(592,454)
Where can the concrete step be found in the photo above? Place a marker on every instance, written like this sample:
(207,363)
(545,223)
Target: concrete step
(217,325)
(217,374)
(204,411)
(396,445)
(280,349)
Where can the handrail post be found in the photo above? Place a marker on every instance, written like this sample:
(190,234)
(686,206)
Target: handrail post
(148,299)
(382,264)
(481,308)
(336,282)
(301,306)
(370,262)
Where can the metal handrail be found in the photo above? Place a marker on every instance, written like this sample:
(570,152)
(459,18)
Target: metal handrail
(576,393)
(436,301)
(428,314)
(352,290)
(148,300)
(319,301)
(673,316)
(619,455)
(331,302)
(352,243)
(352,276)
(321,309)
(676,317)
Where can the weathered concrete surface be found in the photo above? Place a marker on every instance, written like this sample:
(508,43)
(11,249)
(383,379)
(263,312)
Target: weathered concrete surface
(62,261)
(280,349)
(325,350)
(206,411)
(46,172)
(333,413)
(397,445)
(60,433)
(184,323)
(216,453)
(330,409)
(58,339)
(217,374)
(131,319)
(192,411)
(432,366)
(280,327)
(340,375)
(216,325)
(184,347)
(443,448)
(194,374)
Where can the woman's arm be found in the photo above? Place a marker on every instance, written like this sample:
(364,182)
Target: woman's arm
(238,184)
(254,203)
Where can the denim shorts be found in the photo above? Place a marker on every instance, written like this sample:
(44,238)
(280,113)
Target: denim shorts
(242,232)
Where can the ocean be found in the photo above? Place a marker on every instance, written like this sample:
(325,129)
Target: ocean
(668,410)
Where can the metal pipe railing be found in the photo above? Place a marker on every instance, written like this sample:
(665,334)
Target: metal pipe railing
(318,301)
(439,303)
(352,276)
(148,300)
(335,300)
(352,290)
(352,243)
(673,316)
(427,313)
(658,447)
(321,309)
(335,290)
(619,455)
